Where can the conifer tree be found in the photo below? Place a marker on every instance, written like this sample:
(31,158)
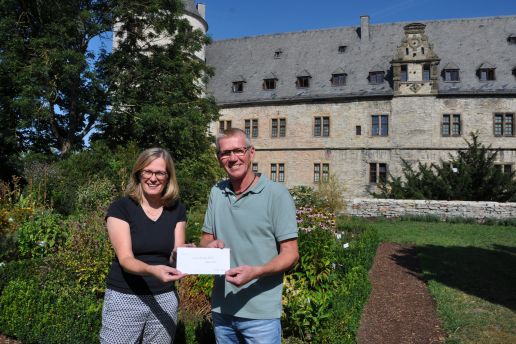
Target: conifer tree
(470,175)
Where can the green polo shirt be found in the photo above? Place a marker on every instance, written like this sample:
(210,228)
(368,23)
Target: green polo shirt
(252,227)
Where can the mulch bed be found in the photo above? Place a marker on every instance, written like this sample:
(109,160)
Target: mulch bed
(400,309)
(5,340)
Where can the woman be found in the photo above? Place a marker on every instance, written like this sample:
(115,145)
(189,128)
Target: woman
(144,228)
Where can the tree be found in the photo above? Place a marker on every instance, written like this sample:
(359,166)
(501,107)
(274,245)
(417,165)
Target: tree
(157,81)
(470,175)
(58,88)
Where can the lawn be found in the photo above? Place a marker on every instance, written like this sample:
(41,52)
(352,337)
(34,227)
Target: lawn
(471,273)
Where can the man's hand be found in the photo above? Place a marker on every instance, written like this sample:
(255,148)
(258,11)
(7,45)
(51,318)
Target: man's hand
(242,274)
(209,241)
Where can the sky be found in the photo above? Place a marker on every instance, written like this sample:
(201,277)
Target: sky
(239,18)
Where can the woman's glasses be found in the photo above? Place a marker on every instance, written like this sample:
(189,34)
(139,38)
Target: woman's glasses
(147,174)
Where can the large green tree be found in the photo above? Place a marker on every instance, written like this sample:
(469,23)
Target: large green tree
(469,175)
(56,90)
(157,81)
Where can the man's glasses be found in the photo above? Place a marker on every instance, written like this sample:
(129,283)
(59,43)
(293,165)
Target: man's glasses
(147,174)
(239,152)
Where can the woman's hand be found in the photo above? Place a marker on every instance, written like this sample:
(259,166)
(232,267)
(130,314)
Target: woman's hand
(165,273)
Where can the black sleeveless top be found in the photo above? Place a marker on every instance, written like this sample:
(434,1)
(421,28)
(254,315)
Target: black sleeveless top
(152,243)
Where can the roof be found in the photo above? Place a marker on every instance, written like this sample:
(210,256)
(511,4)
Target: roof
(466,43)
(191,7)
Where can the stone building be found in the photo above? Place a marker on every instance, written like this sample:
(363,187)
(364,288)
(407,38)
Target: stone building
(353,101)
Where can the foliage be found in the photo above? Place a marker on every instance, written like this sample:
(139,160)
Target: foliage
(37,312)
(331,194)
(56,89)
(157,88)
(325,293)
(305,196)
(470,175)
(41,234)
(309,219)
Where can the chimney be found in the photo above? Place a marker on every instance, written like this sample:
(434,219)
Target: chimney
(202,10)
(364,28)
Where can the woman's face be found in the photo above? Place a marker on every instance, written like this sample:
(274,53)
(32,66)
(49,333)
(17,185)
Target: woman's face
(154,178)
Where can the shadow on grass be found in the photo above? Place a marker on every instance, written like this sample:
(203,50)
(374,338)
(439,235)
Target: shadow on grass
(487,274)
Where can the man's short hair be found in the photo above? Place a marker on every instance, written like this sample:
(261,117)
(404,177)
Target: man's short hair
(230,133)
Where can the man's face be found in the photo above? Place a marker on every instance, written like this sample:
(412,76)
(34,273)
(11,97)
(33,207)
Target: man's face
(235,157)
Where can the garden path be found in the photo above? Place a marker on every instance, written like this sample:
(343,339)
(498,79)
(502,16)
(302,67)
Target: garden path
(400,309)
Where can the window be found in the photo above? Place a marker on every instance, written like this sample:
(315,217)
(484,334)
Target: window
(358,130)
(269,84)
(255,128)
(251,127)
(426,72)
(504,168)
(224,125)
(325,172)
(377,173)
(303,82)
(376,77)
(403,73)
(504,124)
(278,172)
(278,53)
(280,123)
(322,126)
(255,167)
(451,75)
(342,49)
(451,125)
(486,74)
(338,79)
(511,39)
(238,87)
(380,125)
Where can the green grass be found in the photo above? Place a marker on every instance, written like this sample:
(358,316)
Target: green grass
(471,273)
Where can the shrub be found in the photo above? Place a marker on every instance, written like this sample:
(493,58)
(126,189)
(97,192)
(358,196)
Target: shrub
(325,293)
(309,219)
(37,312)
(42,234)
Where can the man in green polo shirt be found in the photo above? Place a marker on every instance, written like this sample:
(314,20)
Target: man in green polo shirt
(256,219)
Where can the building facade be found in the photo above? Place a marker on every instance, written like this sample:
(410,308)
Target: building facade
(352,102)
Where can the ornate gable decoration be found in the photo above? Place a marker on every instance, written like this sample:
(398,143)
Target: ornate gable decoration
(415,63)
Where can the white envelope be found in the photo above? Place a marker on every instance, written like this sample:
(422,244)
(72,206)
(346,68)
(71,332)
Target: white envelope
(203,261)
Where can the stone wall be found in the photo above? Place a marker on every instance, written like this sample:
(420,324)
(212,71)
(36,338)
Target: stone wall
(366,207)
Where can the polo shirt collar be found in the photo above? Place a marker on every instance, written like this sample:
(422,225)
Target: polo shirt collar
(256,188)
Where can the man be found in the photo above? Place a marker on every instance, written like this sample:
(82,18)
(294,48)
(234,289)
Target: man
(256,219)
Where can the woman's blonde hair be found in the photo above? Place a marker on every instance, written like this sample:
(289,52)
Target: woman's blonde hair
(170,192)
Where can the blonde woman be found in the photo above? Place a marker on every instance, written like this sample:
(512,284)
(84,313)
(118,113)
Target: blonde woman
(144,228)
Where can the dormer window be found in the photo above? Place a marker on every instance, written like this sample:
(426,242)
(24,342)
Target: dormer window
(450,73)
(338,79)
(238,87)
(303,79)
(342,49)
(269,84)
(514,71)
(278,54)
(376,77)
(511,39)
(303,82)
(486,72)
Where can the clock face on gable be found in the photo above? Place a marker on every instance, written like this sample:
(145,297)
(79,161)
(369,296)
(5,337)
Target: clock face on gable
(415,42)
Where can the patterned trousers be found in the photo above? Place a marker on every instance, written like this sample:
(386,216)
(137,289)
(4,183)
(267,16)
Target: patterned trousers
(133,319)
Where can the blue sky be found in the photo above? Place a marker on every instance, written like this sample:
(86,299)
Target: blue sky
(239,18)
